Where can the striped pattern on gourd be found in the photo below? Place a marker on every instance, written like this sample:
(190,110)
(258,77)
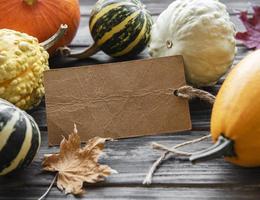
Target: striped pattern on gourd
(120,28)
(19,138)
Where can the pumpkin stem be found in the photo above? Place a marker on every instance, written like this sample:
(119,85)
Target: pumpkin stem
(30,2)
(94,48)
(57,36)
(223,147)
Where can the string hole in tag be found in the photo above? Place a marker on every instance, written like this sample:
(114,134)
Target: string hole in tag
(176,93)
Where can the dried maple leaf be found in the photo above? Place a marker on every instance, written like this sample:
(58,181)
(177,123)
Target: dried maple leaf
(250,38)
(76,165)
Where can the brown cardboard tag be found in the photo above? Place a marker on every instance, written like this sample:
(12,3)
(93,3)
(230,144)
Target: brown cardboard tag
(117,100)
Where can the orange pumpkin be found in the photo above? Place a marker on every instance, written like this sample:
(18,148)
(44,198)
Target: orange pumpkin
(41,18)
(235,120)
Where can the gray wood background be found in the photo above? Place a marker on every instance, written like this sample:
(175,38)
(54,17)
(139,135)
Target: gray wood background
(176,178)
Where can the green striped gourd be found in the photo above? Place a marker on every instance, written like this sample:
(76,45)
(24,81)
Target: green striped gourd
(19,138)
(118,27)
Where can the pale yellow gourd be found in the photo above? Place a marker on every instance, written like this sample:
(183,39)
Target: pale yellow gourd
(200,31)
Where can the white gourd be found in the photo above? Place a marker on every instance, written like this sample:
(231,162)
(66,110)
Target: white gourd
(200,31)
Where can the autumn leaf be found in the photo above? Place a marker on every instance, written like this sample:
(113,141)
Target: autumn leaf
(76,165)
(250,38)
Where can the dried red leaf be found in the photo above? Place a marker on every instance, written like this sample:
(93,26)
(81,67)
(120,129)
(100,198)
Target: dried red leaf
(250,38)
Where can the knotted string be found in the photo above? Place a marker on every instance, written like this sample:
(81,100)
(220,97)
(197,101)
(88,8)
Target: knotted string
(189,92)
(186,92)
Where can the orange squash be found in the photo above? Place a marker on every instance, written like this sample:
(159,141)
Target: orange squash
(235,121)
(41,18)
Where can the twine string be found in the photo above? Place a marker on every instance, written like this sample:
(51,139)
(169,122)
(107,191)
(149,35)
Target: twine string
(186,92)
(189,92)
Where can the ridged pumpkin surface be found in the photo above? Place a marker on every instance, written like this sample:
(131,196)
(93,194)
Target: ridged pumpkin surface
(236,112)
(41,18)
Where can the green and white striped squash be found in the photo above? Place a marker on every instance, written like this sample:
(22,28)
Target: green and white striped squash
(120,27)
(19,138)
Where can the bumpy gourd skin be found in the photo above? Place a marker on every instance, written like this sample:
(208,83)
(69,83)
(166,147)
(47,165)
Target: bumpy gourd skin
(200,31)
(22,63)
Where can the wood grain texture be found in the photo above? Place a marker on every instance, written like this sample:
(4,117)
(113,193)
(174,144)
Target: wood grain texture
(157,6)
(140,193)
(131,158)
(176,178)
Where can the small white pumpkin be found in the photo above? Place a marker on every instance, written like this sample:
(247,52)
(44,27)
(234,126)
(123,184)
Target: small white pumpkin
(200,31)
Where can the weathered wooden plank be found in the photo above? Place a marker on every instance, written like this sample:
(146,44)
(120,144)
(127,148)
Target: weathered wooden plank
(132,158)
(127,193)
(39,114)
(155,7)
